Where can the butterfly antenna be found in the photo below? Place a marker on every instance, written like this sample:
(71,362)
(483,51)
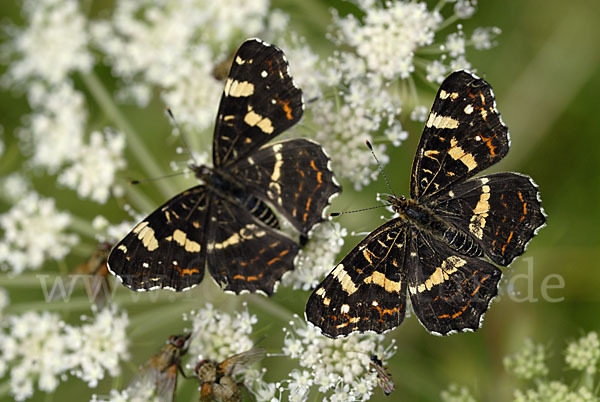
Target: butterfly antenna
(387,182)
(182,134)
(134,182)
(332,214)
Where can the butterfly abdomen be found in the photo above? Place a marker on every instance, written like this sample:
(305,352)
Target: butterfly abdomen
(228,187)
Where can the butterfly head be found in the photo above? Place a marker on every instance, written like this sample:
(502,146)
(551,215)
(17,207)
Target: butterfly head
(202,172)
(399,204)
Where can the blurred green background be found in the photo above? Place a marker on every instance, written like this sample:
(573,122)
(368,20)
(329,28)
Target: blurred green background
(544,72)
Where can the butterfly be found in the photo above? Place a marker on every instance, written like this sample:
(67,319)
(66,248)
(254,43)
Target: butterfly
(160,371)
(439,247)
(227,223)
(384,379)
(217,382)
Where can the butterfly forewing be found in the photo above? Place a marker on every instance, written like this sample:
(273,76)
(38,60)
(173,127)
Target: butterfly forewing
(501,211)
(244,253)
(448,291)
(259,102)
(166,250)
(463,135)
(366,291)
(299,165)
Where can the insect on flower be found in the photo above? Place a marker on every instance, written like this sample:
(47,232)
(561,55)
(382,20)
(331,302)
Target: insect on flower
(95,276)
(98,286)
(217,380)
(384,378)
(160,371)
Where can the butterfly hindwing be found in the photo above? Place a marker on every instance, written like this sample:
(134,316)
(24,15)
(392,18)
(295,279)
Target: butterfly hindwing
(294,176)
(501,211)
(165,250)
(463,135)
(259,102)
(245,254)
(366,291)
(449,292)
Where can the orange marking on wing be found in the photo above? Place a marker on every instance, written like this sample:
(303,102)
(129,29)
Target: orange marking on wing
(308,203)
(384,311)
(476,290)
(286,108)
(458,313)
(273,261)
(187,271)
(507,241)
(521,196)
(524,209)
(488,142)
(248,278)
(284,252)
(312,165)
(319,177)
(305,217)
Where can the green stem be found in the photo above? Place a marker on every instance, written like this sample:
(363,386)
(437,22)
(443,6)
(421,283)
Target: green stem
(145,323)
(141,153)
(440,5)
(271,307)
(82,226)
(20,281)
(451,20)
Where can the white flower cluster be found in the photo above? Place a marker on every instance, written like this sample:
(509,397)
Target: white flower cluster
(56,128)
(142,393)
(338,368)
(33,230)
(554,391)
(99,345)
(317,257)
(388,36)
(166,46)
(529,362)
(41,348)
(95,166)
(218,335)
(53,44)
(584,354)
(345,129)
(454,393)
